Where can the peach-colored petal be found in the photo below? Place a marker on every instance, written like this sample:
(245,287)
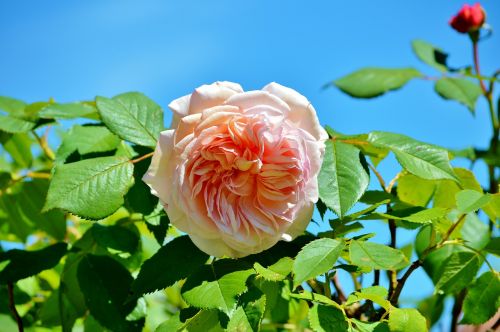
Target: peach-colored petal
(215,94)
(302,112)
(158,175)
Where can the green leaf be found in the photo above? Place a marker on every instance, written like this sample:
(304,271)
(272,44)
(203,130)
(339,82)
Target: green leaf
(493,247)
(404,320)
(459,89)
(139,198)
(376,294)
(475,232)
(19,148)
(179,258)
(115,237)
(275,272)
(446,190)
(68,111)
(72,303)
(218,285)
(470,200)
(413,214)
(315,297)
(249,313)
(86,139)
(423,160)
(203,321)
(430,55)
(316,258)
(432,308)
(360,326)
(92,188)
(324,318)
(105,283)
(239,321)
(343,179)
(14,125)
(23,264)
(24,208)
(482,300)
(457,272)
(415,190)
(372,82)
(133,117)
(376,256)
(11,105)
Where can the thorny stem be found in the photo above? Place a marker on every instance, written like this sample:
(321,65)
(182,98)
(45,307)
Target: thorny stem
(476,65)
(488,94)
(326,286)
(457,309)
(392,224)
(136,160)
(394,297)
(338,288)
(378,175)
(12,307)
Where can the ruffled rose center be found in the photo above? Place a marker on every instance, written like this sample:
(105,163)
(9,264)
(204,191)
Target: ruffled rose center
(247,173)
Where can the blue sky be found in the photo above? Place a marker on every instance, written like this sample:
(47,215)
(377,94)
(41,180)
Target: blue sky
(74,50)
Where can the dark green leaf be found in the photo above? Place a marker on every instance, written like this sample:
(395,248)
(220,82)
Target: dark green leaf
(72,303)
(24,208)
(23,264)
(493,246)
(482,300)
(316,258)
(460,89)
(92,188)
(105,283)
(343,178)
(115,237)
(178,259)
(372,82)
(423,160)
(457,271)
(139,198)
(133,117)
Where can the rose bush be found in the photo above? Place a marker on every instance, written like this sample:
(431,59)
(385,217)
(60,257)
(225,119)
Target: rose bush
(469,18)
(238,170)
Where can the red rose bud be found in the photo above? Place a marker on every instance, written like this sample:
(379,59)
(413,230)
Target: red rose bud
(469,18)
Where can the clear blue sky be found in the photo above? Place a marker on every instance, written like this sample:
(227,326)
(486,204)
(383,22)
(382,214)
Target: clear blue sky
(74,50)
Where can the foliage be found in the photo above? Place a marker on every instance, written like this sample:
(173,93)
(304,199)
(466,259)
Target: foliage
(98,251)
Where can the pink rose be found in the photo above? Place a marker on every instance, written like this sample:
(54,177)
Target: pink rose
(469,18)
(238,170)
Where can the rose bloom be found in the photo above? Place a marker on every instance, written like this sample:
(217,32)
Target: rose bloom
(469,18)
(238,170)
